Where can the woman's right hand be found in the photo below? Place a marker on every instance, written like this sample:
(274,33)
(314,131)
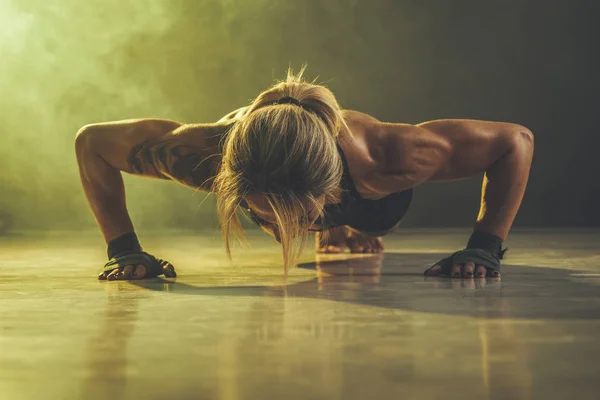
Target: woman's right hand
(137,271)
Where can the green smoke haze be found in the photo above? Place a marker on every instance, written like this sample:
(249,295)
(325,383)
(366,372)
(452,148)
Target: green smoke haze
(67,63)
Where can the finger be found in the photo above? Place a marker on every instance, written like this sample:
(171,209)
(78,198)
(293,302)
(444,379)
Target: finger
(468,270)
(168,270)
(455,271)
(433,271)
(102,276)
(127,272)
(140,272)
(480,271)
(113,274)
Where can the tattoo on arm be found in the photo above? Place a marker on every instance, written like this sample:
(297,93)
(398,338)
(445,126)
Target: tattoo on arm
(146,154)
(165,160)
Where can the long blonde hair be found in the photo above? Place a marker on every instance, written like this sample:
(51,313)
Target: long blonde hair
(286,152)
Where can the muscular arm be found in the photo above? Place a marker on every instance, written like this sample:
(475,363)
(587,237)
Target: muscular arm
(503,152)
(446,150)
(187,155)
(152,148)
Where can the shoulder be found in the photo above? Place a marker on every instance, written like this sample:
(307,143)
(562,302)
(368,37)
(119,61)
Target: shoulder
(201,134)
(365,132)
(362,149)
(380,141)
(376,132)
(389,157)
(374,129)
(387,140)
(359,120)
(235,114)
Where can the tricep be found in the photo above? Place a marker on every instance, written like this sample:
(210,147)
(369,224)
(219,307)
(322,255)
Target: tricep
(115,141)
(472,146)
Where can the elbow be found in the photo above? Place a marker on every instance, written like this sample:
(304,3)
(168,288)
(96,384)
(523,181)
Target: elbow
(83,138)
(526,135)
(522,136)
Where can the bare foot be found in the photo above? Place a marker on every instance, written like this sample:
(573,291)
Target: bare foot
(338,239)
(334,241)
(360,243)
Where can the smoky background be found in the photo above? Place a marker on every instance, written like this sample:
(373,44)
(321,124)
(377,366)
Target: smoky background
(67,63)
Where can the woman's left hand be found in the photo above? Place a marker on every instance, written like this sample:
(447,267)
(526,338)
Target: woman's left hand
(468,263)
(468,270)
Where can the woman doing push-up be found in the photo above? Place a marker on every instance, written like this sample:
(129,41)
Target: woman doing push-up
(295,162)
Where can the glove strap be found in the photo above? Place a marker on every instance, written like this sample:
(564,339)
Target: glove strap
(487,241)
(127,243)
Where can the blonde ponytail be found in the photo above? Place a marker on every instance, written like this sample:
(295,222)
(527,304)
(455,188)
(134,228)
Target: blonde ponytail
(286,151)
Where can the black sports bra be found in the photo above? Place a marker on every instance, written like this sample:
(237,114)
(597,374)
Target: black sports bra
(361,214)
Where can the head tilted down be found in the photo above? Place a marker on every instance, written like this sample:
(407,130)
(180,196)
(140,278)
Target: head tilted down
(282,158)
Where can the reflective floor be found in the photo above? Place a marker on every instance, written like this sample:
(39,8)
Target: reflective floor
(340,327)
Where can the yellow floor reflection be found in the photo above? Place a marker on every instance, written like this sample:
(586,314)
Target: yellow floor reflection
(339,327)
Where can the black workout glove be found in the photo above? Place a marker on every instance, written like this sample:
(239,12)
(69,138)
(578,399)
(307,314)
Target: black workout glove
(482,249)
(124,244)
(126,250)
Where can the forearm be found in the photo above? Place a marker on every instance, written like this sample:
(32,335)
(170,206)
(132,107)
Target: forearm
(503,187)
(105,192)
